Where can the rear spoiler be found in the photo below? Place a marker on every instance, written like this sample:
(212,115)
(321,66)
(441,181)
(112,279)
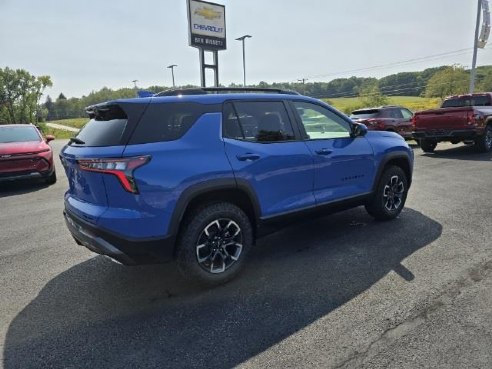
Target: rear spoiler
(105,112)
(143,93)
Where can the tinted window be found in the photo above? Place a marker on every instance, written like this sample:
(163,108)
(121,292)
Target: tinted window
(321,123)
(466,101)
(259,121)
(105,128)
(407,114)
(395,113)
(18,134)
(168,121)
(365,114)
(230,122)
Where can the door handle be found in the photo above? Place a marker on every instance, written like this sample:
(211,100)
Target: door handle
(248,157)
(323,151)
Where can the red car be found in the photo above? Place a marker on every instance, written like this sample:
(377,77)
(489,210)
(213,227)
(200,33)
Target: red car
(386,118)
(25,154)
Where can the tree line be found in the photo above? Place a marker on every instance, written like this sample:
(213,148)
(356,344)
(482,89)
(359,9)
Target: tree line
(20,92)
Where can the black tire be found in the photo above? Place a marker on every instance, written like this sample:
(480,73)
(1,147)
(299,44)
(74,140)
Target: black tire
(51,179)
(427,146)
(206,233)
(390,195)
(484,143)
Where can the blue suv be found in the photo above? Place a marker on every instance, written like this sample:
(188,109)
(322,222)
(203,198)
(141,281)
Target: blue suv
(197,175)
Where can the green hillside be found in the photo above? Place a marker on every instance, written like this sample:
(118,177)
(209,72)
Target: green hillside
(414,103)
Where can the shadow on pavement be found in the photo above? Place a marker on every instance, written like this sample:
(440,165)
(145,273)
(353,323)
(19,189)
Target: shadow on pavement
(465,152)
(21,187)
(100,314)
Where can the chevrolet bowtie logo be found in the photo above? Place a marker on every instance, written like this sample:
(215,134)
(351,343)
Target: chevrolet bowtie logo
(208,13)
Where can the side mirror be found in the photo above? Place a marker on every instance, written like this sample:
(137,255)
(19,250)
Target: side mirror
(49,138)
(358,130)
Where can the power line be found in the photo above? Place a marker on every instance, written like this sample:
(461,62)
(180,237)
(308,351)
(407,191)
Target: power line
(401,62)
(377,93)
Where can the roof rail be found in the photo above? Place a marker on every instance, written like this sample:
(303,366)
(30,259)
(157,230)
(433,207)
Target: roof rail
(217,90)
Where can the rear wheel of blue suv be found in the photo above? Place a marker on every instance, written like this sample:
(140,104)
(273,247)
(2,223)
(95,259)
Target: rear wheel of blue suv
(198,175)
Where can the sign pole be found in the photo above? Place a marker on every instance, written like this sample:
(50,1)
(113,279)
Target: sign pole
(202,67)
(216,69)
(207,32)
(475,48)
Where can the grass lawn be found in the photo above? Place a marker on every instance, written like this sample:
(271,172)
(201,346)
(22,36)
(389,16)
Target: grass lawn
(58,133)
(413,103)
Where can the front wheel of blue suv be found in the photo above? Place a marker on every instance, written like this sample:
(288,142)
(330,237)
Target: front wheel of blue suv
(213,243)
(390,195)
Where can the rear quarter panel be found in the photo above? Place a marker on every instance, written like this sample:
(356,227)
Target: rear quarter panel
(197,157)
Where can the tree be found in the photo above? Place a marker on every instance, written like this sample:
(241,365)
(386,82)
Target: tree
(50,108)
(452,80)
(371,96)
(62,107)
(486,83)
(400,84)
(20,92)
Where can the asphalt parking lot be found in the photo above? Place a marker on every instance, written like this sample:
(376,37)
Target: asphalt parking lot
(335,292)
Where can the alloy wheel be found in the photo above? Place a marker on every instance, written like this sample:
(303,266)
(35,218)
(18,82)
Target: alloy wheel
(219,245)
(393,193)
(488,138)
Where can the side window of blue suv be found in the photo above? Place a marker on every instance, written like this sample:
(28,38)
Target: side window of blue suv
(168,122)
(258,121)
(321,123)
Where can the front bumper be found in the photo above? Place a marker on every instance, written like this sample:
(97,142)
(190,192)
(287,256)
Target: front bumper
(125,251)
(24,175)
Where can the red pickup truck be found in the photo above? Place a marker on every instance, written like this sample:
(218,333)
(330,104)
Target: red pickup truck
(464,118)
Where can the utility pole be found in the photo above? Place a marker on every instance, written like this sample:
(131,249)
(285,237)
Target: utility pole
(303,80)
(135,83)
(475,48)
(172,66)
(242,39)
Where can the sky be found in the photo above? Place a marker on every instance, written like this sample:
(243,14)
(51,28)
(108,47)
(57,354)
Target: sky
(86,45)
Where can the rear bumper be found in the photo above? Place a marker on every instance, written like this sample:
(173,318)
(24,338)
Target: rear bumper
(125,251)
(447,135)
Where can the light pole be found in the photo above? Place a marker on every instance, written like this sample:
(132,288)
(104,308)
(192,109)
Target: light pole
(303,80)
(172,66)
(135,83)
(475,47)
(242,38)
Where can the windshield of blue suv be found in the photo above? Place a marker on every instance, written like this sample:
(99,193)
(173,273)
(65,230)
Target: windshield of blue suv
(18,134)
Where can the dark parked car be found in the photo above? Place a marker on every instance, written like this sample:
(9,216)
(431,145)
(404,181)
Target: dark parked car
(197,176)
(386,118)
(25,154)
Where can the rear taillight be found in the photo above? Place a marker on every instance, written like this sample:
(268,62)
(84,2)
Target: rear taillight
(375,123)
(122,168)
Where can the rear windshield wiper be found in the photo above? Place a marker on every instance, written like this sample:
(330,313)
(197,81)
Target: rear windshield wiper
(76,140)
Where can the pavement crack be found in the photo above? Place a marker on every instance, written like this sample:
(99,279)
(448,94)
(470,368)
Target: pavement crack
(393,333)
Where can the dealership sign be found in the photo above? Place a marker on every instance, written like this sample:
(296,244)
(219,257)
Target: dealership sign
(207,29)
(485,33)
